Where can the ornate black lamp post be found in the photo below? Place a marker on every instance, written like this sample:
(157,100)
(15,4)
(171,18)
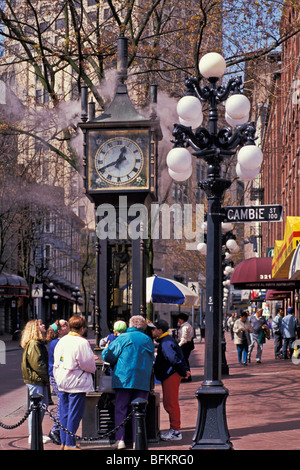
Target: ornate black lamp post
(213,146)
(76,297)
(52,297)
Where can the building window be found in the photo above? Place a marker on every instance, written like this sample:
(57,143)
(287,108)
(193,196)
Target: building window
(60,23)
(48,256)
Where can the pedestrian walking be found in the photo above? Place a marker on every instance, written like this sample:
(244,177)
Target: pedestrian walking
(260,328)
(55,332)
(230,323)
(289,329)
(169,368)
(34,366)
(131,357)
(277,333)
(185,338)
(74,364)
(242,329)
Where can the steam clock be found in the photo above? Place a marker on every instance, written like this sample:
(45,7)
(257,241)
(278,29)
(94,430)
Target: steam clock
(120,160)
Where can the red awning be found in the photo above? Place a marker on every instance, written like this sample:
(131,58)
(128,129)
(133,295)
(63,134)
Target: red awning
(256,273)
(277,294)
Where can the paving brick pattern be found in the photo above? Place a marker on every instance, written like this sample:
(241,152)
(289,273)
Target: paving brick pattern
(263,406)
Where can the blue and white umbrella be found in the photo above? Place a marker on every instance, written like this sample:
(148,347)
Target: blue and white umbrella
(168,291)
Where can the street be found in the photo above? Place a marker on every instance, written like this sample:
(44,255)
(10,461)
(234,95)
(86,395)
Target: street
(262,407)
(12,387)
(10,373)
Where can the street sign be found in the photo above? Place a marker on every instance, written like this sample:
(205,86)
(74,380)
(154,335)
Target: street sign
(37,290)
(271,213)
(194,286)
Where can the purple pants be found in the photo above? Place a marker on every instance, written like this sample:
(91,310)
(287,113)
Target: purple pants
(123,398)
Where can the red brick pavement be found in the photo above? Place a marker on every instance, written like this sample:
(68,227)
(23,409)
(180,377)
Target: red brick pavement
(263,406)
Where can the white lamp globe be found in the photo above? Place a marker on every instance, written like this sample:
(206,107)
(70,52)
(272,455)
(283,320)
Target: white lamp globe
(212,65)
(237,106)
(246,175)
(202,248)
(232,246)
(250,157)
(236,122)
(227,270)
(179,177)
(179,159)
(226,226)
(204,227)
(189,108)
(192,123)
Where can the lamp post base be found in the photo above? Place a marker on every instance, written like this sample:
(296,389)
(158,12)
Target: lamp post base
(211,430)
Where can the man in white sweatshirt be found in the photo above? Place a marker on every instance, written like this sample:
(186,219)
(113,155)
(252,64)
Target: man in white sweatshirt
(185,338)
(74,364)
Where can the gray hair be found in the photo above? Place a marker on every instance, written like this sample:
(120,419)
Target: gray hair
(138,321)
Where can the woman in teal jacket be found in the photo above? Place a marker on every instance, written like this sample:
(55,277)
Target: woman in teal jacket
(131,357)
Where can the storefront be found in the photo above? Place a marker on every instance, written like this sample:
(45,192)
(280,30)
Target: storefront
(14,295)
(285,249)
(256,274)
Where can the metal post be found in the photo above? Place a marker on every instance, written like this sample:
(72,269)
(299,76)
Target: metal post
(213,146)
(211,430)
(139,406)
(36,427)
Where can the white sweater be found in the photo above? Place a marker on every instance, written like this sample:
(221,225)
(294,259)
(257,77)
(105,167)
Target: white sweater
(74,364)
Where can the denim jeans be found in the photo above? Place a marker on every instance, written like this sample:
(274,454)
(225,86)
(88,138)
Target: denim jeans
(242,350)
(287,346)
(42,390)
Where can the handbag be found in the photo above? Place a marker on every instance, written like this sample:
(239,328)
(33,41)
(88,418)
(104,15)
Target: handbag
(105,380)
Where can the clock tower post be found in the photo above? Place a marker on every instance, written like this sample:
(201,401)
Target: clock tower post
(120,151)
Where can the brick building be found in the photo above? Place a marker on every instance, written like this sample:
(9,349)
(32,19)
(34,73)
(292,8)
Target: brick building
(281,138)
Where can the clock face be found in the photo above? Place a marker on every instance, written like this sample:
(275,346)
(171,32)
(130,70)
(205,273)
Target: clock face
(119,161)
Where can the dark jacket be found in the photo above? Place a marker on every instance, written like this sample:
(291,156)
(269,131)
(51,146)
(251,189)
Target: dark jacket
(35,363)
(169,359)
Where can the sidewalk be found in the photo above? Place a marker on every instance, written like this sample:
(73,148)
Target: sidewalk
(262,408)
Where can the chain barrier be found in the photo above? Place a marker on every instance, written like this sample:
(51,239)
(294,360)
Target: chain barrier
(89,439)
(60,426)
(14,426)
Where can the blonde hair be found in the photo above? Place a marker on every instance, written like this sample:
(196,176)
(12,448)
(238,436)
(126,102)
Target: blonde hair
(138,322)
(31,331)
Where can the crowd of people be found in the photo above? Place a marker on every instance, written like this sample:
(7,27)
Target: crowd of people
(66,365)
(62,359)
(249,330)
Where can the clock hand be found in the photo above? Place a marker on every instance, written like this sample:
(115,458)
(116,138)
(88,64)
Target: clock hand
(116,163)
(109,164)
(121,157)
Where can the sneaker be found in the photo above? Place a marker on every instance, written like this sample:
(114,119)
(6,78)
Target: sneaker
(46,439)
(55,437)
(119,445)
(171,435)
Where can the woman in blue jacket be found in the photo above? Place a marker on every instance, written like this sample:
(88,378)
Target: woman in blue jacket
(131,357)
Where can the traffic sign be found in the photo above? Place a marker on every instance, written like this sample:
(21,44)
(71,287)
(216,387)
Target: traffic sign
(37,290)
(271,213)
